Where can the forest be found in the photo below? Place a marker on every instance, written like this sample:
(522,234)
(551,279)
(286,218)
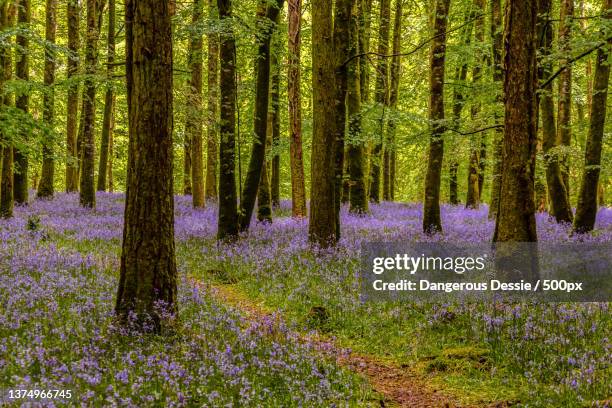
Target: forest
(187,189)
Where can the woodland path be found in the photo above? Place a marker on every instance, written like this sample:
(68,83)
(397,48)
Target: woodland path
(398,386)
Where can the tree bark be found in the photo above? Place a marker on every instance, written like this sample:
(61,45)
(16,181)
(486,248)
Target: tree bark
(213,106)
(586,211)
(498,77)
(390,150)
(109,101)
(87,196)
(382,99)
(298,190)
(148,266)
(194,126)
(264,198)
(228,211)
(20,162)
(275,121)
(432,222)
(322,224)
(516,217)
(560,207)
(7,12)
(267,25)
(72,102)
(564,122)
(358,200)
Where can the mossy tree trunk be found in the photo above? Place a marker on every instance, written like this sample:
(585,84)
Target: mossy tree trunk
(22,71)
(498,77)
(228,211)
(275,120)
(148,265)
(109,102)
(72,102)
(298,190)
(432,222)
(7,11)
(213,106)
(391,150)
(586,211)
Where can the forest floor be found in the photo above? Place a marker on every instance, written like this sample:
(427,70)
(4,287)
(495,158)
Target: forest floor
(273,322)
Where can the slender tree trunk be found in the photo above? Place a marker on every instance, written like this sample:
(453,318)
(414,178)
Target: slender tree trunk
(516,217)
(72,103)
(473,192)
(275,122)
(560,207)
(109,101)
(187,152)
(111,180)
(20,158)
(355,145)
(264,203)
(382,99)
(228,211)
(390,150)
(267,23)
(87,195)
(7,13)
(365,23)
(564,123)
(322,226)
(298,190)
(194,113)
(498,77)
(342,21)
(432,222)
(148,265)
(213,106)
(586,211)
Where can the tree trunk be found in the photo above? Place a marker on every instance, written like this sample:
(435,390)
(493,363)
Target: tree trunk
(22,71)
(381,97)
(390,149)
(111,180)
(298,190)
(213,105)
(148,266)
(45,187)
(564,125)
(431,211)
(358,200)
(473,192)
(228,211)
(560,207)
(275,115)
(72,103)
(109,101)
(267,25)
(7,11)
(342,21)
(322,224)
(87,195)
(516,217)
(194,113)
(586,211)
(264,203)
(365,23)
(498,77)
(187,147)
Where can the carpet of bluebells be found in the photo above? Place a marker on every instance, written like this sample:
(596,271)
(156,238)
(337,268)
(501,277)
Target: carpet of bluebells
(58,274)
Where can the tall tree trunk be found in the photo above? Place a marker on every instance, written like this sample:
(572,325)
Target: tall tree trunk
(431,211)
(564,123)
(355,145)
(498,77)
(87,196)
(390,149)
(382,99)
(45,187)
(228,211)
(342,21)
(194,113)
(213,105)
(111,138)
(275,121)
(187,152)
(473,183)
(20,157)
(458,104)
(109,101)
(72,103)
(148,265)
(560,207)
(7,14)
(365,23)
(267,25)
(264,202)
(322,224)
(298,190)
(516,217)
(586,211)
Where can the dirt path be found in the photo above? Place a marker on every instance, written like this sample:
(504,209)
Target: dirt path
(399,386)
